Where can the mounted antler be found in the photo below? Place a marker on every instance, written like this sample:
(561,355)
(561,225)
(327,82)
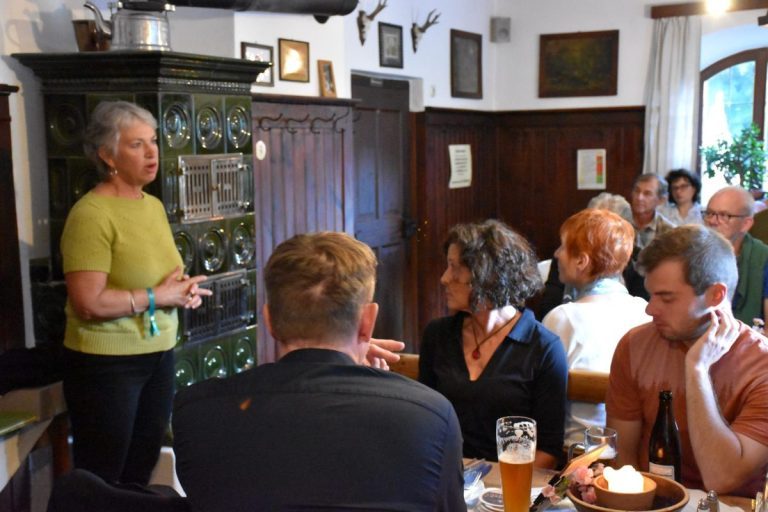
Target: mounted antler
(364,20)
(417,32)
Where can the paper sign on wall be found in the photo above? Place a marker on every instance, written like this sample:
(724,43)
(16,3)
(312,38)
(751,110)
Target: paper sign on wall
(461,165)
(590,169)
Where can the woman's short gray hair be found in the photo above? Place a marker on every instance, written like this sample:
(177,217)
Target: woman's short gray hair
(612,202)
(103,130)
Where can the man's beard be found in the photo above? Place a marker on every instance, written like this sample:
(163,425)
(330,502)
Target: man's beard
(689,338)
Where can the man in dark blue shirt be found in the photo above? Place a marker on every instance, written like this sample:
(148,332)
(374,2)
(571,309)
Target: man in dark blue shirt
(318,430)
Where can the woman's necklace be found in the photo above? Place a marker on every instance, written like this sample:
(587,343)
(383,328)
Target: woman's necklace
(476,352)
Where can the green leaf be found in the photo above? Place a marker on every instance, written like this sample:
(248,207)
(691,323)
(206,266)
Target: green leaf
(744,157)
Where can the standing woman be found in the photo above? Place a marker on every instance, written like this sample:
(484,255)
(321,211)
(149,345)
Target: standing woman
(124,282)
(492,358)
(683,204)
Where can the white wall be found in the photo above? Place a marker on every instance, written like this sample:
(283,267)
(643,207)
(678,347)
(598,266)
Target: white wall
(729,34)
(531,19)
(510,69)
(326,42)
(432,60)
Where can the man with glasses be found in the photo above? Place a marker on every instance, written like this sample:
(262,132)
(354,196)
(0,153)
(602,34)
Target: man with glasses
(731,213)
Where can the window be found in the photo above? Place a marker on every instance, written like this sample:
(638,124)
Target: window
(733,95)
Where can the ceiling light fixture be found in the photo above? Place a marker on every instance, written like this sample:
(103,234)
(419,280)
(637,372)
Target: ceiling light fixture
(718,6)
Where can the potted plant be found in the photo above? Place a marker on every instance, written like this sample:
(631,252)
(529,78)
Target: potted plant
(745,156)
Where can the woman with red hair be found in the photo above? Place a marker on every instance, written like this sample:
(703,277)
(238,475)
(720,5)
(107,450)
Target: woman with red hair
(595,246)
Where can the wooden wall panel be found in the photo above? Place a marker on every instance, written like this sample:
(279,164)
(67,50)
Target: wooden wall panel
(524,173)
(437,206)
(304,183)
(537,165)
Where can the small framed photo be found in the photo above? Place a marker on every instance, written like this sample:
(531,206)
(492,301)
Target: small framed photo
(578,64)
(327,82)
(294,60)
(390,45)
(466,64)
(260,53)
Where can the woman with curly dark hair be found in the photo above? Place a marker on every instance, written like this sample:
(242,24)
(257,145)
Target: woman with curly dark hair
(683,204)
(492,358)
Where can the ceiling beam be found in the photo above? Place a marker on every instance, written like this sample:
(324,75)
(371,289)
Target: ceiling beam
(693,8)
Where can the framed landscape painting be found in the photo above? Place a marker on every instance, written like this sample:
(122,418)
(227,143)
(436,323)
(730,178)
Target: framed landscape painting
(578,64)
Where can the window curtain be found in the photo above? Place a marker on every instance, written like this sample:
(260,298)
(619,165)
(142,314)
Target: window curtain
(672,95)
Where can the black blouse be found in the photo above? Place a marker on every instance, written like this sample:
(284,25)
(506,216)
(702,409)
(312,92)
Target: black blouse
(526,376)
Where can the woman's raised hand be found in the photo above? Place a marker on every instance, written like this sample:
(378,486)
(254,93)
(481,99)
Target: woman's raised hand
(180,290)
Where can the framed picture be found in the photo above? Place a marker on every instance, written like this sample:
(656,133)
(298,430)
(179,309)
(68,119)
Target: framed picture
(466,64)
(327,82)
(294,60)
(578,64)
(260,53)
(390,45)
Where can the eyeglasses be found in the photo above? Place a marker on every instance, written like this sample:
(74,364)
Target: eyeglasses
(724,216)
(682,186)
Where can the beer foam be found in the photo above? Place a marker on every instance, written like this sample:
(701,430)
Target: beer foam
(516,455)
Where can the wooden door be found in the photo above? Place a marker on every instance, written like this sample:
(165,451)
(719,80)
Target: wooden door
(302,178)
(381,145)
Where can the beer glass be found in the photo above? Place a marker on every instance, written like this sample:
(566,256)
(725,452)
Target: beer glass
(516,447)
(595,436)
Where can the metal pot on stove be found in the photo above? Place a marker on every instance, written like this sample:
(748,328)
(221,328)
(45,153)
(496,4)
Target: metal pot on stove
(135,24)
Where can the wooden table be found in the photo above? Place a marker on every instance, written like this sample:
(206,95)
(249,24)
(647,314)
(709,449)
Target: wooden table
(542,476)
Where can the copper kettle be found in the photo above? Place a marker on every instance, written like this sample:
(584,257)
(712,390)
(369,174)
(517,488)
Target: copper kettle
(135,25)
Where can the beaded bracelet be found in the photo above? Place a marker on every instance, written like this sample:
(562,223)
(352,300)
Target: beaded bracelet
(153,329)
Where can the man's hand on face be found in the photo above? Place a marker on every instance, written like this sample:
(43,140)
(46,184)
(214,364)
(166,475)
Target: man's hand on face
(716,341)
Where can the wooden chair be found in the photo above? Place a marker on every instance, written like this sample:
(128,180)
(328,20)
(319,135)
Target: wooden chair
(587,386)
(583,385)
(408,365)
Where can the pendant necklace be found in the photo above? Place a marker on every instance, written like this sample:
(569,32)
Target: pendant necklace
(476,351)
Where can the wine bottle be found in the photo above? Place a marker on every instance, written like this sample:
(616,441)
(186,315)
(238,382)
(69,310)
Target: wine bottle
(664,446)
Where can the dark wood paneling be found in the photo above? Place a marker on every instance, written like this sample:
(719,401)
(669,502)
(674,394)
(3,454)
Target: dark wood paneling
(537,165)
(304,183)
(11,309)
(524,173)
(438,207)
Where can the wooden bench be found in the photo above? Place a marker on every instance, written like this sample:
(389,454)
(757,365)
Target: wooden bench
(408,365)
(583,385)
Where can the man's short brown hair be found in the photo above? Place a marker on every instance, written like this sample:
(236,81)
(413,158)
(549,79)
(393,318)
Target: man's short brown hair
(706,255)
(316,285)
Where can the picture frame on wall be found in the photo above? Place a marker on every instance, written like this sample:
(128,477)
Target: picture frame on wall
(578,64)
(325,76)
(466,64)
(390,45)
(294,60)
(260,53)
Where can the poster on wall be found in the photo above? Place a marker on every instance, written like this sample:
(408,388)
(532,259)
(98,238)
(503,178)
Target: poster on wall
(590,169)
(461,165)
